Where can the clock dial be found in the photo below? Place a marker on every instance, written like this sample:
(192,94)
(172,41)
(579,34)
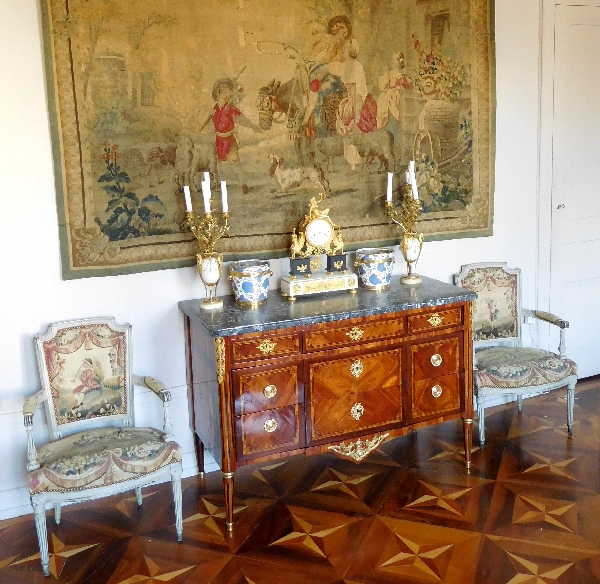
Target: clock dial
(319,232)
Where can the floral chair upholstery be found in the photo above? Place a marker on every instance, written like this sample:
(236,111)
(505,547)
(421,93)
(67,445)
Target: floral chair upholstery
(95,450)
(501,364)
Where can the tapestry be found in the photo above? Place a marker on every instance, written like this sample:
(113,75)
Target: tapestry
(281,100)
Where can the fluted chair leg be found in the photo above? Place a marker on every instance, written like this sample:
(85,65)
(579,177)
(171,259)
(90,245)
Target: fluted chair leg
(39,510)
(570,405)
(177,499)
(480,416)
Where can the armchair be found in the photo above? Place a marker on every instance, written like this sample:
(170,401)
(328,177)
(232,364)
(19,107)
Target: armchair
(95,451)
(501,364)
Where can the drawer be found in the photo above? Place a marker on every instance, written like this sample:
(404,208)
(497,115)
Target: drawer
(329,335)
(270,431)
(356,393)
(256,390)
(435,396)
(435,319)
(435,359)
(263,346)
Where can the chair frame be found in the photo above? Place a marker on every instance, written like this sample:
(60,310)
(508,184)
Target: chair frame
(522,313)
(40,501)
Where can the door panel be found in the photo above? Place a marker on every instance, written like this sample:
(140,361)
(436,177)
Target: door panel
(575,245)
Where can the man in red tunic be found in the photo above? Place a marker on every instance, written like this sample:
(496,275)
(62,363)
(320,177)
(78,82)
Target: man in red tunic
(225,116)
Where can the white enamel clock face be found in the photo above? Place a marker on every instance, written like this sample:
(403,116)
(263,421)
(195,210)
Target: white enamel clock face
(319,232)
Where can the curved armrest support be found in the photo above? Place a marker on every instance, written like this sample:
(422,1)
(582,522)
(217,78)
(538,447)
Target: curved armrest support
(158,388)
(552,319)
(29,408)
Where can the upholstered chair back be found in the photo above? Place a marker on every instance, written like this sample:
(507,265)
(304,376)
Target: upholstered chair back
(85,370)
(497,309)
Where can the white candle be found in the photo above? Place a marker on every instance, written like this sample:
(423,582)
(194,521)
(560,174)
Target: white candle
(206,196)
(413,184)
(389,187)
(188,198)
(207,177)
(407,177)
(224,196)
(411,166)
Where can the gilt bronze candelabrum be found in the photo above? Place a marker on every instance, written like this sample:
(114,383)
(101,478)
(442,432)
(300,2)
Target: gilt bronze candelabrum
(208,231)
(411,243)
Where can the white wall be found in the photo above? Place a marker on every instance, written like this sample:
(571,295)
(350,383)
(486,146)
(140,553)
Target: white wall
(33,293)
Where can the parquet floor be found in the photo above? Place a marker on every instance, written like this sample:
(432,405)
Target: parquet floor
(528,513)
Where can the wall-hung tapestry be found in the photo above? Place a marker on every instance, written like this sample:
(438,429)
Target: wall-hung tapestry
(283,101)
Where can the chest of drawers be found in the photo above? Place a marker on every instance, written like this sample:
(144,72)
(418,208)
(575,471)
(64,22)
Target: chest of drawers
(339,373)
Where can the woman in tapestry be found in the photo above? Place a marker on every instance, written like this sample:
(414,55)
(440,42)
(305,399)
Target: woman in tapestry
(392,85)
(326,90)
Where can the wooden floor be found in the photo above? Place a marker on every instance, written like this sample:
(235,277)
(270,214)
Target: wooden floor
(528,513)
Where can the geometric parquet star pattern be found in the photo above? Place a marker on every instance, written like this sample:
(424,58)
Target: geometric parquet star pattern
(528,512)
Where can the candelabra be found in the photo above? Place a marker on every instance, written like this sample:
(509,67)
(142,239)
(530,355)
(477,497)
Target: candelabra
(208,230)
(411,243)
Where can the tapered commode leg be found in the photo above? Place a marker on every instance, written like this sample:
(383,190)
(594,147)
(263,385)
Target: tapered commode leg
(228,486)
(468,436)
(199,448)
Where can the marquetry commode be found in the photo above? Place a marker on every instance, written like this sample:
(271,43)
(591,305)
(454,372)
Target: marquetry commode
(336,373)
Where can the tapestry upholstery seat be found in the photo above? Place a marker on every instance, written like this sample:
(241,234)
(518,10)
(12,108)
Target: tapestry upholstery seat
(95,449)
(515,367)
(101,457)
(501,365)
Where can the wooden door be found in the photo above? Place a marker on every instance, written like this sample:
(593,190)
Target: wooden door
(575,239)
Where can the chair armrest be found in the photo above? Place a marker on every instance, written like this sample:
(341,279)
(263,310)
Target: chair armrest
(158,388)
(552,319)
(154,385)
(29,408)
(547,317)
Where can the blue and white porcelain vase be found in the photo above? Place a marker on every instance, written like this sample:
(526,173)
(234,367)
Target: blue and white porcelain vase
(375,265)
(250,281)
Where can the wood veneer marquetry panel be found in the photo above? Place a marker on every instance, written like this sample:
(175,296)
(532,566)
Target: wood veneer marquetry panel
(330,335)
(372,380)
(258,389)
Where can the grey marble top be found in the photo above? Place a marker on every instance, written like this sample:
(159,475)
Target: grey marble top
(278,312)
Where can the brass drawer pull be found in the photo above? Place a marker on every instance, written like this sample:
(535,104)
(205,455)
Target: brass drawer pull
(356,368)
(266,346)
(435,319)
(355,333)
(436,391)
(357,410)
(436,360)
(270,425)
(270,391)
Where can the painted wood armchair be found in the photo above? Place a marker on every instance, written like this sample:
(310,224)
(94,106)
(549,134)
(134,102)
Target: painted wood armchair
(95,450)
(501,364)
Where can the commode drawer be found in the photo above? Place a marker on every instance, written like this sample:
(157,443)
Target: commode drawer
(334,334)
(276,430)
(435,319)
(355,393)
(435,396)
(265,346)
(435,358)
(258,389)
